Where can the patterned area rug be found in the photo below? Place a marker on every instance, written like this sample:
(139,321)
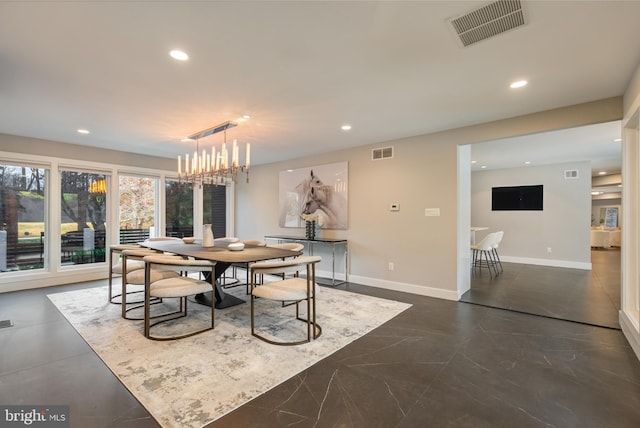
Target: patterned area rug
(193,381)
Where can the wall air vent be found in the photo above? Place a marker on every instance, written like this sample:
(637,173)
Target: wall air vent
(488,21)
(382,153)
(570,174)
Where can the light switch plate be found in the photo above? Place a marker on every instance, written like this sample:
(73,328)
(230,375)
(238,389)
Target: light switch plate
(432,212)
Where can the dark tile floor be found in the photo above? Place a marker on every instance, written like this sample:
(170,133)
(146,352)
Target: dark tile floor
(440,363)
(591,297)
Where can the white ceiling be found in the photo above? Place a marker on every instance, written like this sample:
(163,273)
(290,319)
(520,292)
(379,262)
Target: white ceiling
(593,143)
(301,69)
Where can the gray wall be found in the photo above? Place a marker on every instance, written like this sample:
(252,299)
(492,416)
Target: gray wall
(35,146)
(563,225)
(422,174)
(376,235)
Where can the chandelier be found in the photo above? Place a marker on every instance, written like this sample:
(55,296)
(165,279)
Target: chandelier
(214,167)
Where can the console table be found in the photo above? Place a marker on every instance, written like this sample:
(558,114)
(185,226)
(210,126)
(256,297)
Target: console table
(320,241)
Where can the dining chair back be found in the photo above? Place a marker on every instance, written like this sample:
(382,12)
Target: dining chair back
(293,246)
(233,280)
(116,267)
(133,280)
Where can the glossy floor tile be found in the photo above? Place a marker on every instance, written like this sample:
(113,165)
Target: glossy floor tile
(440,363)
(591,297)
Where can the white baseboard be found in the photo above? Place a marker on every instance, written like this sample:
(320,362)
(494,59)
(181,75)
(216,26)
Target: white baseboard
(421,290)
(339,277)
(27,281)
(631,332)
(546,262)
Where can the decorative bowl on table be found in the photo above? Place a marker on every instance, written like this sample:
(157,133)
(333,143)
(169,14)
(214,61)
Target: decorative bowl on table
(236,246)
(189,239)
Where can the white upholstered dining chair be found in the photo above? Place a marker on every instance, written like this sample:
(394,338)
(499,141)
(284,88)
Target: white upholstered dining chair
(116,267)
(296,290)
(177,286)
(235,281)
(133,280)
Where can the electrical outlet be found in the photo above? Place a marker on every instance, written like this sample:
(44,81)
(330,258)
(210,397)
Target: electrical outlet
(390,265)
(548,249)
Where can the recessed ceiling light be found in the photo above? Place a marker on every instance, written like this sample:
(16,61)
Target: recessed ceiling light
(83,131)
(595,193)
(246,116)
(483,166)
(617,140)
(527,162)
(518,84)
(346,127)
(602,173)
(474,161)
(179,55)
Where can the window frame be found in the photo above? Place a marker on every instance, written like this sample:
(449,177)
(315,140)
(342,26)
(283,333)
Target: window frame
(53,273)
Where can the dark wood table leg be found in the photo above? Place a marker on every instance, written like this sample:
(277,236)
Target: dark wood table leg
(222,299)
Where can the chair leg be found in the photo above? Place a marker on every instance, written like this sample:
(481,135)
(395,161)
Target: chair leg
(487,256)
(488,262)
(110,275)
(497,257)
(253,330)
(147,309)
(170,316)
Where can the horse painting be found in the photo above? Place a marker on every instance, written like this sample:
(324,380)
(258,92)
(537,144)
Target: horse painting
(320,201)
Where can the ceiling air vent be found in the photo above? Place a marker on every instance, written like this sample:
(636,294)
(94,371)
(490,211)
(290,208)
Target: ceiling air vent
(382,153)
(488,21)
(570,174)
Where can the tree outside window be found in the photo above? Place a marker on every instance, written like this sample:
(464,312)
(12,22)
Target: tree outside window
(22,208)
(83,217)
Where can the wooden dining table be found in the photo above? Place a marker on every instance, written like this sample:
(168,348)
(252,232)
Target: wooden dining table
(223,258)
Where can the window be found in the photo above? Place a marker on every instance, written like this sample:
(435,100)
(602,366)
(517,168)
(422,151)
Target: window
(83,217)
(179,210)
(137,208)
(57,216)
(214,208)
(22,217)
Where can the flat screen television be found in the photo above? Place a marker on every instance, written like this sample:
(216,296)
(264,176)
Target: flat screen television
(517,198)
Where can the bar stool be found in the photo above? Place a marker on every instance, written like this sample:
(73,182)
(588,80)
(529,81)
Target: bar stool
(484,249)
